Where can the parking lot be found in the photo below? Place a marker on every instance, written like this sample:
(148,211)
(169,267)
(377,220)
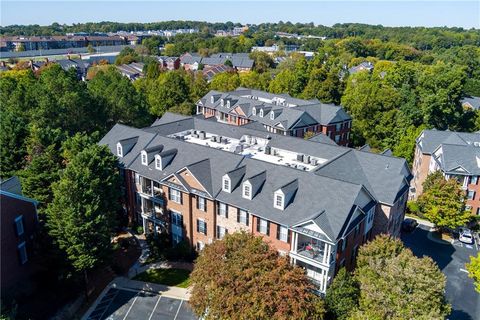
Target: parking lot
(120,304)
(451,259)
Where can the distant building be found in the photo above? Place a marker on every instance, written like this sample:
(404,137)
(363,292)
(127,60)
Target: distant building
(211,71)
(18,217)
(456,155)
(169,63)
(471,102)
(240,61)
(132,71)
(364,66)
(278,113)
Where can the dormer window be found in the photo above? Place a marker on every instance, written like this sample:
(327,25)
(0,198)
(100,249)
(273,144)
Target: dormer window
(212,99)
(272,115)
(158,163)
(222,102)
(119,150)
(228,103)
(254,111)
(261,113)
(247,190)
(144,158)
(226,184)
(278,201)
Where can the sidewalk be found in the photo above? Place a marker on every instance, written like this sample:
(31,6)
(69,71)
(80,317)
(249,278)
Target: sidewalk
(421,221)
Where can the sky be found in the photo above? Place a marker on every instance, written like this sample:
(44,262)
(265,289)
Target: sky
(464,14)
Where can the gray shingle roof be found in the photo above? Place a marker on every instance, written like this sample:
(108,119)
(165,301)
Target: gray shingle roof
(473,102)
(456,158)
(333,189)
(430,140)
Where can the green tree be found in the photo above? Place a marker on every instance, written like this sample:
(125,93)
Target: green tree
(394,284)
(342,295)
(39,175)
(242,277)
(406,145)
(284,82)
(262,61)
(81,216)
(118,98)
(225,81)
(186,108)
(126,56)
(228,63)
(443,202)
(12,143)
(91,49)
(473,269)
(255,80)
(169,90)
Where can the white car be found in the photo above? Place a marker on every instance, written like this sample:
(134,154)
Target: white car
(465,236)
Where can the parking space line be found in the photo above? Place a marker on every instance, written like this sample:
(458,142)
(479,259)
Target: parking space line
(136,297)
(178,310)
(155,307)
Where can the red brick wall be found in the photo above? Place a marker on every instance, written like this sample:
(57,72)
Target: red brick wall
(208,216)
(12,272)
(272,237)
(185,208)
(475,202)
(352,241)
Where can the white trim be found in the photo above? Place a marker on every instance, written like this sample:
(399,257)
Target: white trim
(277,194)
(119,149)
(248,185)
(144,156)
(224,179)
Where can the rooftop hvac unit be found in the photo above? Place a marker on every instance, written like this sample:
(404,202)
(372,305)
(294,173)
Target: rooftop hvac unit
(202,135)
(313,161)
(306,159)
(300,167)
(213,138)
(300,157)
(238,148)
(268,150)
(195,135)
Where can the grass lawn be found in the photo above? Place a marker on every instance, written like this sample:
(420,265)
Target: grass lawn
(169,277)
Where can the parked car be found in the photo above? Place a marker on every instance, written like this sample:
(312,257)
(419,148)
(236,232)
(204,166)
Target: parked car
(408,225)
(465,236)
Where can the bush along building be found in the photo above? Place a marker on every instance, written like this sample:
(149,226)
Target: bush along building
(456,155)
(197,180)
(278,113)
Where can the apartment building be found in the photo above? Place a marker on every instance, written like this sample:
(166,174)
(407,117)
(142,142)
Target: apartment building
(456,154)
(240,61)
(277,113)
(316,202)
(18,221)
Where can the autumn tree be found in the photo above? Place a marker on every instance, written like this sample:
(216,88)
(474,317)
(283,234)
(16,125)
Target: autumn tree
(242,277)
(443,202)
(394,284)
(225,81)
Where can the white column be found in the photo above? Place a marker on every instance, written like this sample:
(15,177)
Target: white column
(144,225)
(294,242)
(325,255)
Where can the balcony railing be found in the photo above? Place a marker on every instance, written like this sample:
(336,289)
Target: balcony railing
(146,189)
(311,251)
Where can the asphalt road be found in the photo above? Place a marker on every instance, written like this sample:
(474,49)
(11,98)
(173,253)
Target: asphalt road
(451,260)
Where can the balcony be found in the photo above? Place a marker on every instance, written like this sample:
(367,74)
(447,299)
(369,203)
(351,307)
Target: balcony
(146,189)
(313,249)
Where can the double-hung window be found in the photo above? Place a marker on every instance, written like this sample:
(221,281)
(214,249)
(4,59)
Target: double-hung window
(243,217)
(246,191)
(201,226)
(282,233)
(22,253)
(201,203)
(470,195)
(221,231)
(263,226)
(222,210)
(175,195)
(19,225)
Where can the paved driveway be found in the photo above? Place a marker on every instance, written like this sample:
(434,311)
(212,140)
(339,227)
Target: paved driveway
(121,304)
(451,259)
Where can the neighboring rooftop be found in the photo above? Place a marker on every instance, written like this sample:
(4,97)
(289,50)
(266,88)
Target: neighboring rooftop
(11,185)
(471,102)
(430,140)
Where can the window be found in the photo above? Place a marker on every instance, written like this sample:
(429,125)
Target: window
(200,244)
(177,238)
(119,150)
(222,210)
(22,253)
(338,127)
(175,195)
(221,231)
(278,201)
(158,163)
(212,99)
(242,217)
(254,111)
(247,191)
(263,226)
(470,195)
(272,115)
(137,178)
(261,113)
(473,179)
(344,244)
(19,225)
(144,158)
(282,233)
(201,226)
(177,219)
(337,138)
(201,203)
(226,184)
(478,211)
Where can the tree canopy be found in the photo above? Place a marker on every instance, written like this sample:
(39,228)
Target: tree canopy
(242,277)
(473,269)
